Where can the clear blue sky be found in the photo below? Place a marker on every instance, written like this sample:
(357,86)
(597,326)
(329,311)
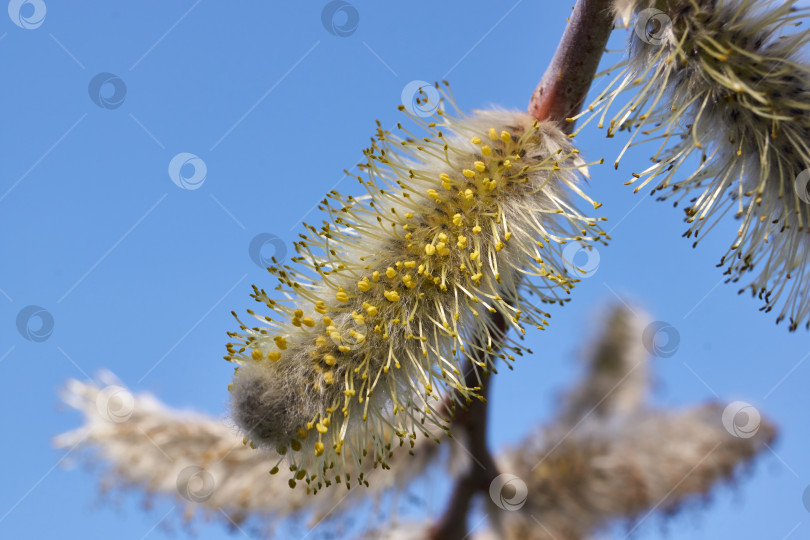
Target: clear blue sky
(139,275)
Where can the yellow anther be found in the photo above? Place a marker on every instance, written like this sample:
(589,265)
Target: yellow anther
(468,194)
(364,284)
(281,343)
(507,236)
(430,249)
(320,307)
(505,137)
(462,242)
(375,276)
(409,215)
(298,313)
(474,255)
(320,341)
(275,356)
(410,264)
(486,150)
(493,134)
(480,166)
(507,164)
(308,321)
(329,360)
(344,348)
(341,295)
(390,273)
(256,354)
(475,140)
(371,310)
(327,320)
(457,220)
(498,246)
(433,193)
(319,447)
(476,229)
(392,296)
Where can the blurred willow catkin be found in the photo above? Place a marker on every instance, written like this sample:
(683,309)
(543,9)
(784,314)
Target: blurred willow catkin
(621,469)
(607,458)
(722,89)
(390,295)
(204,464)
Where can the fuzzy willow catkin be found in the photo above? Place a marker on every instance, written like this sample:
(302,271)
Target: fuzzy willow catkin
(721,88)
(460,225)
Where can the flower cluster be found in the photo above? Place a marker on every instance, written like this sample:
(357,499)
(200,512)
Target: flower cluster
(457,239)
(720,87)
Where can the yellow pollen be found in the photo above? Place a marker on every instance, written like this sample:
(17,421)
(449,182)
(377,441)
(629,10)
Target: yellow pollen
(364,284)
(480,166)
(433,193)
(457,220)
(329,360)
(392,296)
(476,229)
(468,173)
(390,273)
(430,249)
(341,295)
(274,356)
(475,140)
(308,321)
(486,150)
(281,343)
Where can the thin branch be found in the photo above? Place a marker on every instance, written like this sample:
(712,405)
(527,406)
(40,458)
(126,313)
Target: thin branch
(565,84)
(472,423)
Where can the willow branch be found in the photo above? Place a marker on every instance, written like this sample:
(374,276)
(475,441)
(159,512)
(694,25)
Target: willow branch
(565,84)
(472,423)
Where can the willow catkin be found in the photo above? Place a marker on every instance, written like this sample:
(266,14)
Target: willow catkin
(721,89)
(203,465)
(461,226)
(621,469)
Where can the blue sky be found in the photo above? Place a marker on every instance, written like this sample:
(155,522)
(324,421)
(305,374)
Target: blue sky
(139,274)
